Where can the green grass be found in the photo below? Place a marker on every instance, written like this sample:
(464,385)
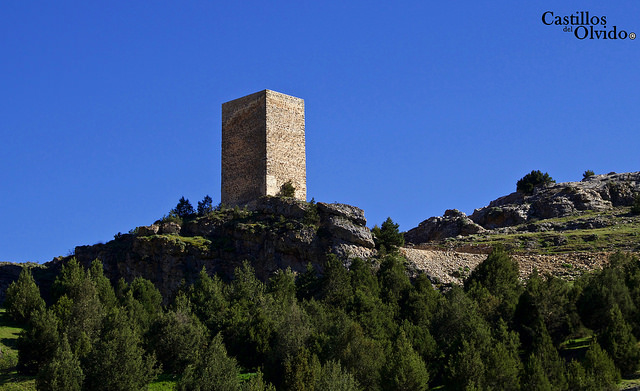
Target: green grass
(164,382)
(623,234)
(577,343)
(10,380)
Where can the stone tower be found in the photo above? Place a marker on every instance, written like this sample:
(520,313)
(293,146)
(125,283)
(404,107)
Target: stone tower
(262,147)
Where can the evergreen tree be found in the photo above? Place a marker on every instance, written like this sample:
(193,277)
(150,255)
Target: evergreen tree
(361,356)
(503,369)
(282,286)
(208,301)
(620,343)
(79,308)
(577,377)
(394,282)
(63,372)
(183,209)
(205,206)
(499,275)
(466,368)
(117,361)
(421,302)
(302,371)
(552,363)
(388,236)
(38,343)
(602,290)
(308,283)
(143,304)
(213,370)
(103,286)
(175,337)
(287,190)
(336,286)
(333,377)
(70,280)
(601,371)
(257,383)
(533,179)
(405,369)
(22,297)
(535,377)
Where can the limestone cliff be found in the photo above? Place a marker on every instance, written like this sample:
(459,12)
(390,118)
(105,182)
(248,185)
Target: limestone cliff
(277,233)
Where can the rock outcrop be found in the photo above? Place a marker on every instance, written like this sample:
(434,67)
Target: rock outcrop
(595,193)
(277,233)
(452,224)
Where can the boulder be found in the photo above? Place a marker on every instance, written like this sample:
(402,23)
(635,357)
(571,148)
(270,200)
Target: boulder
(148,230)
(170,228)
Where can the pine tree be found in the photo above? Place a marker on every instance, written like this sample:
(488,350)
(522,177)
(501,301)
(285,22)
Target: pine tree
(38,343)
(205,206)
(117,361)
(620,343)
(535,377)
(183,209)
(175,337)
(63,372)
(22,297)
(388,236)
(208,301)
(601,371)
(333,377)
(499,275)
(405,369)
(302,371)
(213,370)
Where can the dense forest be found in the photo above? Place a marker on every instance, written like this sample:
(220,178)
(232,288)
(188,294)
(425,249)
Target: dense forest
(368,326)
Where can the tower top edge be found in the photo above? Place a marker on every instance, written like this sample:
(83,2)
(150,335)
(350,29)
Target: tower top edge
(264,92)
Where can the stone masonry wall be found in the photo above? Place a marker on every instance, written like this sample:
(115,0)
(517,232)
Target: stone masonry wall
(243,149)
(263,146)
(285,144)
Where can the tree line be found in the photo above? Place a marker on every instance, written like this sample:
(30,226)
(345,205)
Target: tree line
(368,326)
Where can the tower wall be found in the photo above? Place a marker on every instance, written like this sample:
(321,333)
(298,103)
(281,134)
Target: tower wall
(263,146)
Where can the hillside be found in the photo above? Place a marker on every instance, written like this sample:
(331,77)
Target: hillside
(278,233)
(561,228)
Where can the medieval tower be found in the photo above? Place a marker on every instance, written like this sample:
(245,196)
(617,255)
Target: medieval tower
(263,147)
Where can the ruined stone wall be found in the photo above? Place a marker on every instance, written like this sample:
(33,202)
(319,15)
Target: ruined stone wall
(285,144)
(263,146)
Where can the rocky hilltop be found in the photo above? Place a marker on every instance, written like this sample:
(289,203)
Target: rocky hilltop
(563,229)
(523,213)
(275,234)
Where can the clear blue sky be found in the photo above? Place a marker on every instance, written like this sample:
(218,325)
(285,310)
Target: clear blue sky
(110,110)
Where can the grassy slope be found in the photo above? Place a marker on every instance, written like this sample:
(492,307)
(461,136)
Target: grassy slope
(623,234)
(9,378)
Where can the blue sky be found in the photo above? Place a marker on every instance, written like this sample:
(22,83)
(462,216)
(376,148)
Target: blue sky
(110,110)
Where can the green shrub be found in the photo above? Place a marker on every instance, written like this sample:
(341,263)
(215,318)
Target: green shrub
(535,178)
(287,190)
(587,174)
